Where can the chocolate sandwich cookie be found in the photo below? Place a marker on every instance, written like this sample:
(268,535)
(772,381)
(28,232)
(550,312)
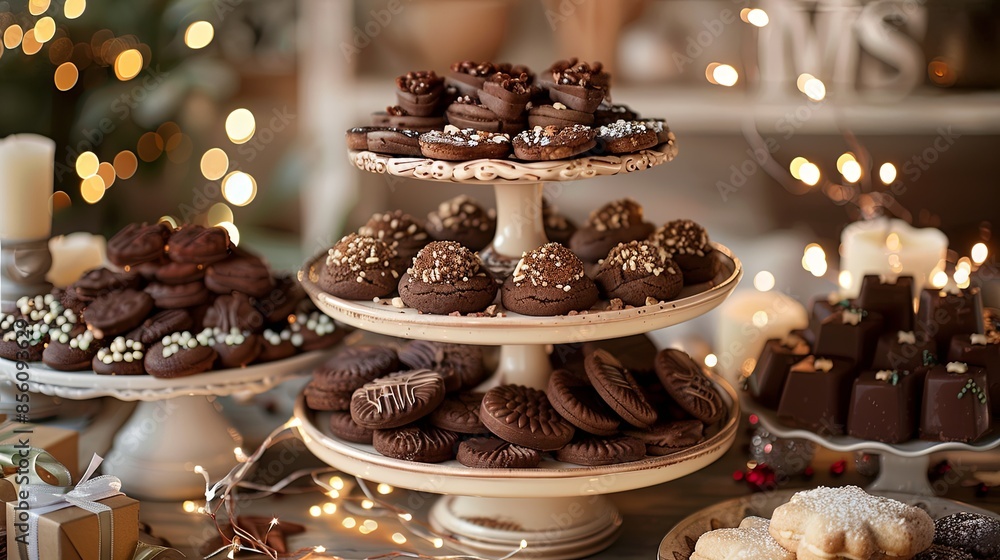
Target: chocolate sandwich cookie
(636,271)
(688,245)
(178,296)
(360,267)
(461,365)
(578,85)
(419,93)
(460,413)
(174,273)
(198,245)
(558,228)
(320,398)
(351,367)
(399,230)
(344,427)
(664,438)
(100,281)
(71,352)
(462,219)
(593,451)
(506,95)
(625,137)
(575,399)
(558,115)
(940,552)
(687,383)
(181,354)
(619,389)
(397,400)
(162,324)
(446,278)
(123,356)
(608,113)
(424,444)
(394,141)
(495,453)
(468,112)
(977,534)
(117,312)
(454,144)
(282,300)
(468,77)
(523,416)
(239,273)
(236,348)
(618,221)
(397,118)
(551,143)
(276,344)
(549,280)
(138,243)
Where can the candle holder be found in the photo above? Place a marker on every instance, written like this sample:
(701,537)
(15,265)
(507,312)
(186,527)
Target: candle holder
(23,267)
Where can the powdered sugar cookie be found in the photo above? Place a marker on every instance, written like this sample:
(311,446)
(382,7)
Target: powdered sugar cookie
(751,541)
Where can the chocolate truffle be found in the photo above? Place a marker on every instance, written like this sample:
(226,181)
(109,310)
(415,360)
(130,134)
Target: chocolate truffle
(885,404)
(446,278)
(945,313)
(767,380)
(549,281)
(892,298)
(619,221)
(850,333)
(956,403)
(399,230)
(904,350)
(689,246)
(463,220)
(817,394)
(822,308)
(637,271)
(359,267)
(981,350)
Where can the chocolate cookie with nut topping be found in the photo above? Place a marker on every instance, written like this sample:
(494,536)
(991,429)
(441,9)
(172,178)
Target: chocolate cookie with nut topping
(463,220)
(360,267)
(578,85)
(419,93)
(445,278)
(399,230)
(506,95)
(637,271)
(688,245)
(468,76)
(549,280)
(454,144)
(551,142)
(619,221)
(625,137)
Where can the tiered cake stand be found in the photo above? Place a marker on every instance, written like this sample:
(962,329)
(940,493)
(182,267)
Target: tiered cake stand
(558,509)
(176,426)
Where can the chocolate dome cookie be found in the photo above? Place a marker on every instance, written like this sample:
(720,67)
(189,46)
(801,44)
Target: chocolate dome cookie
(138,243)
(636,271)
(575,399)
(359,267)
(123,356)
(397,400)
(593,451)
(548,281)
(558,115)
(344,427)
(460,413)
(101,281)
(351,367)
(551,142)
(619,389)
(558,228)
(619,221)
(687,383)
(425,444)
(688,245)
(73,351)
(117,313)
(419,93)
(455,144)
(625,137)
(977,534)
(495,453)
(463,220)
(578,85)
(239,273)
(461,365)
(198,245)
(446,278)
(397,118)
(523,416)
(399,230)
(181,354)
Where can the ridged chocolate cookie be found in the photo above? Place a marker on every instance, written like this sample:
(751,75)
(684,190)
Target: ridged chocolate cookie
(344,427)
(575,399)
(351,367)
(118,312)
(495,453)
(100,281)
(138,243)
(523,416)
(666,437)
(594,451)
(461,365)
(397,400)
(425,444)
(619,389)
(460,413)
(246,274)
(687,383)
(198,245)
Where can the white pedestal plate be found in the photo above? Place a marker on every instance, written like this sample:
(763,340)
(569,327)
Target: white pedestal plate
(176,427)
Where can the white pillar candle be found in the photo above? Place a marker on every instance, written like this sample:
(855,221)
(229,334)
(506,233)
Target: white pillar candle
(26,172)
(891,248)
(74,254)
(746,321)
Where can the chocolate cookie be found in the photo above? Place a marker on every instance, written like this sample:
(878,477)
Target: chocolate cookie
(461,365)
(551,143)
(977,534)
(460,413)
(688,245)
(454,144)
(495,453)
(619,389)
(71,352)
(351,367)
(239,273)
(419,93)
(664,438)
(575,399)
(549,280)
(594,451)
(397,118)
(21,341)
(138,243)
(236,348)
(425,444)
(320,398)
(636,271)
(178,296)
(315,331)
(282,300)
(463,220)
(173,273)
(687,383)
(181,354)
(117,313)
(663,134)
(637,353)
(941,552)
(446,278)
(619,221)
(357,137)
(468,113)
(344,427)
(123,356)
(397,400)
(558,228)
(468,77)
(394,141)
(399,230)
(506,95)
(523,416)
(359,267)
(161,325)
(608,113)
(234,311)
(558,115)
(578,85)
(101,281)
(198,245)
(276,344)
(625,137)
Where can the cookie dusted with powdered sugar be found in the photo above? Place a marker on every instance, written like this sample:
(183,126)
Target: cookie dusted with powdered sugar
(461,144)
(750,541)
(553,142)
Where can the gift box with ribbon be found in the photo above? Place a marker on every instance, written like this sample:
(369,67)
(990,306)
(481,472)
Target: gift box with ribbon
(61,444)
(28,465)
(90,521)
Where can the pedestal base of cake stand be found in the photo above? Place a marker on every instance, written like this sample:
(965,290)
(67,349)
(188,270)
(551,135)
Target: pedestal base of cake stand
(906,475)
(549,528)
(523,365)
(520,226)
(155,453)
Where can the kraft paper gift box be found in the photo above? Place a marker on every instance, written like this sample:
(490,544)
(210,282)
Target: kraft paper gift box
(62,444)
(73,533)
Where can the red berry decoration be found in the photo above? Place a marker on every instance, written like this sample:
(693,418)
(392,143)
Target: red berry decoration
(838,468)
(809,473)
(738,476)
(761,477)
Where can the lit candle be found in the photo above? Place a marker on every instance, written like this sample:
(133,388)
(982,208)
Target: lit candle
(746,321)
(890,248)
(26,172)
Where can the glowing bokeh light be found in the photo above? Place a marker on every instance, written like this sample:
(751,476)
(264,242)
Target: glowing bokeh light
(29,44)
(37,7)
(239,188)
(199,34)
(66,76)
(851,171)
(240,126)
(760,319)
(979,253)
(763,281)
(125,164)
(128,64)
(92,189)
(795,165)
(12,36)
(234,232)
(45,29)
(107,173)
(711,360)
(218,213)
(844,158)
(214,164)
(86,164)
(74,8)
(757,17)
(725,75)
(887,173)
(58,201)
(939,278)
(809,173)
(814,89)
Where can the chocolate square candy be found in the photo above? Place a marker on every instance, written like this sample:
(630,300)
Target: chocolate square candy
(768,377)
(885,405)
(821,309)
(850,333)
(904,350)
(893,299)
(817,395)
(982,350)
(945,313)
(956,403)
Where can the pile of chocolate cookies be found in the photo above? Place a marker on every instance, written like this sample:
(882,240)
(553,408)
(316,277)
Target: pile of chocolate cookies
(183,301)
(486,110)
(420,404)
(876,370)
(434,268)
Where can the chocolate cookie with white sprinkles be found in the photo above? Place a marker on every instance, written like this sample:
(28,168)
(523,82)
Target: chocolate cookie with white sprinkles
(552,142)
(625,137)
(462,219)
(549,280)
(689,246)
(619,221)
(359,267)
(445,278)
(638,271)
(455,144)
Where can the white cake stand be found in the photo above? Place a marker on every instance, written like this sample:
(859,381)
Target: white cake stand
(176,426)
(903,466)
